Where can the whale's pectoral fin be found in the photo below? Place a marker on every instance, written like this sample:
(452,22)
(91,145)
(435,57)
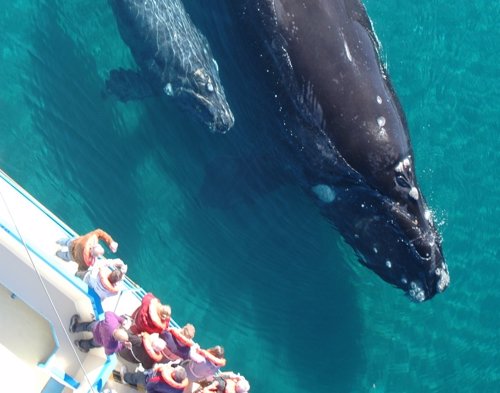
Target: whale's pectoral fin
(128,85)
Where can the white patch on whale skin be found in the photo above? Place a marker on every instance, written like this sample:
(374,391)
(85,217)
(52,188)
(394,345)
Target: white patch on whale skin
(399,167)
(215,64)
(169,91)
(288,61)
(414,193)
(347,51)
(444,279)
(382,134)
(388,264)
(416,292)
(324,193)
(379,100)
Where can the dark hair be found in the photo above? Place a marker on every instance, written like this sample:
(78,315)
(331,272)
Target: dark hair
(179,374)
(217,351)
(115,276)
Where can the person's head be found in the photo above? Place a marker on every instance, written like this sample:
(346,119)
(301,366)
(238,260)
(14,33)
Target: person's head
(217,351)
(242,386)
(188,331)
(120,334)
(164,312)
(115,276)
(158,344)
(179,374)
(97,251)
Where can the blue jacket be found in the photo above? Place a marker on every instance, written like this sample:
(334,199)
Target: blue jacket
(156,384)
(174,345)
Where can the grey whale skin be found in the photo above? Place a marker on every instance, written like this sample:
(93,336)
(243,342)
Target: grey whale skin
(174,59)
(352,135)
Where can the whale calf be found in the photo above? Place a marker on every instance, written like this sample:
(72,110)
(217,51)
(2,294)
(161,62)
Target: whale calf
(351,136)
(173,57)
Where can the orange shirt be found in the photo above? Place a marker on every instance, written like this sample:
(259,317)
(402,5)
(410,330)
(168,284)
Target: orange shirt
(81,247)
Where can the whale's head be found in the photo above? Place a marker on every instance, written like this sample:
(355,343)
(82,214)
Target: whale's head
(402,248)
(386,217)
(425,273)
(393,233)
(174,57)
(202,93)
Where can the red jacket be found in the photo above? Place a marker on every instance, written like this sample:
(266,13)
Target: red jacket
(146,318)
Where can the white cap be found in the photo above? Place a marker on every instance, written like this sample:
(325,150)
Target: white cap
(158,344)
(242,386)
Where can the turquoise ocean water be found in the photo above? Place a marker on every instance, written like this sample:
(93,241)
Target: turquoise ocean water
(263,273)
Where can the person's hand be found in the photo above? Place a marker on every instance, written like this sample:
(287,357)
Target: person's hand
(127,344)
(195,355)
(113,247)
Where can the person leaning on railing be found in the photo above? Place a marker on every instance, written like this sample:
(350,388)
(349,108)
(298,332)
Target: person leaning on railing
(110,333)
(163,378)
(226,382)
(151,316)
(105,281)
(147,350)
(178,342)
(84,250)
(203,363)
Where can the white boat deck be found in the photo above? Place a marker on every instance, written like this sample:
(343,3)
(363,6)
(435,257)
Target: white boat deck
(26,339)
(38,295)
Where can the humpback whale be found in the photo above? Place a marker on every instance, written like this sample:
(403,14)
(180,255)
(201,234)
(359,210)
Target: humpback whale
(349,130)
(173,57)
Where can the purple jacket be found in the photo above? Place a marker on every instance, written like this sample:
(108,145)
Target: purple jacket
(199,371)
(174,345)
(103,332)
